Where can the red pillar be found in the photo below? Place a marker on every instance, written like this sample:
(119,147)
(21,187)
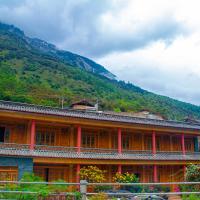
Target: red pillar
(78,139)
(154,142)
(32,142)
(155,174)
(119,169)
(119,140)
(183,143)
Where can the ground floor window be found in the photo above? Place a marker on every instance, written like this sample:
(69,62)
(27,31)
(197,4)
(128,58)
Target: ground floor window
(8,173)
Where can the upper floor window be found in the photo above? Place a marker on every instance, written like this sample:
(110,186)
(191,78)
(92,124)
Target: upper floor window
(45,138)
(114,142)
(158,143)
(188,144)
(4,134)
(126,142)
(88,140)
(148,143)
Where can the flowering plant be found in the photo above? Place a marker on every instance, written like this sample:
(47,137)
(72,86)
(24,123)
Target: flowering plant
(126,178)
(92,174)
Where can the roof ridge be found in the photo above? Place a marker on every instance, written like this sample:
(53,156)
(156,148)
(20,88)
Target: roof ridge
(91,115)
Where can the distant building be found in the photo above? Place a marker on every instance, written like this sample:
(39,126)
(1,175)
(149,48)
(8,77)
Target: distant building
(83,105)
(142,114)
(55,143)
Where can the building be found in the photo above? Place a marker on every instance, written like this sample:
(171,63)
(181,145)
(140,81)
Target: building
(55,143)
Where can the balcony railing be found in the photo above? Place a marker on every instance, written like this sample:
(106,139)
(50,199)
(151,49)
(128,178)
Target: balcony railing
(11,149)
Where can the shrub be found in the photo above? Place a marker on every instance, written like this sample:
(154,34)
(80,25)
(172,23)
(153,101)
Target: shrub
(58,188)
(192,175)
(128,178)
(102,188)
(99,196)
(40,190)
(92,174)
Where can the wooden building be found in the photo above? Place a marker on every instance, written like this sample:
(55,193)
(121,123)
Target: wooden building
(55,143)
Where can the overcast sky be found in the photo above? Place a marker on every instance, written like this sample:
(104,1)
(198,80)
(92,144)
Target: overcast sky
(154,44)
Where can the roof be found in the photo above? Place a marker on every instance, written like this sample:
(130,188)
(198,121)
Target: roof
(68,152)
(83,103)
(100,116)
(192,120)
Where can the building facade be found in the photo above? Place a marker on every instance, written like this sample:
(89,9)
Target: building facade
(55,143)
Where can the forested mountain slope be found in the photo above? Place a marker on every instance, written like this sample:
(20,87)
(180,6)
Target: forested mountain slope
(34,71)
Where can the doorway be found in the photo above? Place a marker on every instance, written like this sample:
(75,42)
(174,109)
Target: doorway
(2,134)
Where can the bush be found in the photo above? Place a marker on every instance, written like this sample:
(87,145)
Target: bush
(92,174)
(192,175)
(39,190)
(128,178)
(102,188)
(156,188)
(58,188)
(100,196)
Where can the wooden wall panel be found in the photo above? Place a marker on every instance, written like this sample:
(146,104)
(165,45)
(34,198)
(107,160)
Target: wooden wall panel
(136,141)
(189,144)
(176,143)
(18,134)
(104,139)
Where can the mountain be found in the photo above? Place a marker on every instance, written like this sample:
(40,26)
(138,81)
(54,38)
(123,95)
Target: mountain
(34,71)
(65,56)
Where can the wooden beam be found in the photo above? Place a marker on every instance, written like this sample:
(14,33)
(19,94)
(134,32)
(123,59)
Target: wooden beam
(90,122)
(108,162)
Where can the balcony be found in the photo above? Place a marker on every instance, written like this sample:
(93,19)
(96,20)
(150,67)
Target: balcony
(12,149)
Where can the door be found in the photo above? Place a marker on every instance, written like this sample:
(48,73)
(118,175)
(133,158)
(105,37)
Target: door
(2,134)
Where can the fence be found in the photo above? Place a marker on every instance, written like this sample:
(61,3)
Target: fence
(83,189)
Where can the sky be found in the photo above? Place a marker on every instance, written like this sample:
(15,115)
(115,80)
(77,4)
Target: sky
(154,44)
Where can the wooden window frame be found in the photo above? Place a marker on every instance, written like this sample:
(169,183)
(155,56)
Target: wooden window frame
(88,140)
(126,142)
(45,137)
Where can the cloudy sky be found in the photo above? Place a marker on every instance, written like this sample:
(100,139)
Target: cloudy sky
(154,44)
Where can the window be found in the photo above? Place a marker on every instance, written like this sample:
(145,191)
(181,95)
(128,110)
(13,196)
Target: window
(158,141)
(56,174)
(88,140)
(148,143)
(188,144)
(45,138)
(198,138)
(4,134)
(114,142)
(8,173)
(126,142)
(40,172)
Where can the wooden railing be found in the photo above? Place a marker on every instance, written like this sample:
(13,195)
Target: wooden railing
(92,153)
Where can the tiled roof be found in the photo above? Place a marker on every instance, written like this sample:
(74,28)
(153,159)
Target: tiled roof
(91,155)
(30,108)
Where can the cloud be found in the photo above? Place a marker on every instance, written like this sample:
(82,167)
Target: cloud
(172,70)
(154,44)
(92,28)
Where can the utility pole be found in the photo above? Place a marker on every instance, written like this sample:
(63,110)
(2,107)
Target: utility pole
(61,101)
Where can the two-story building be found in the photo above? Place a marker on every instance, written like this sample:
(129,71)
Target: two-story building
(55,143)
